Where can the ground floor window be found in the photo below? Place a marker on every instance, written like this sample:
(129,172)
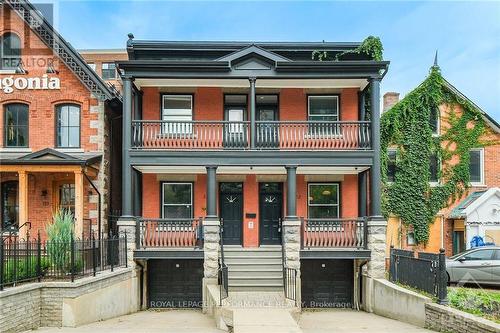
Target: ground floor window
(10,204)
(177,200)
(66,200)
(323,200)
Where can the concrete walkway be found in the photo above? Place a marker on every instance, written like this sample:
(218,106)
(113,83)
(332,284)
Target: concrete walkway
(270,320)
(168,321)
(349,321)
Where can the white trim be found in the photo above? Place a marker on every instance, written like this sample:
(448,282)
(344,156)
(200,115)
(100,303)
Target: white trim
(317,205)
(481,166)
(163,204)
(322,96)
(8,71)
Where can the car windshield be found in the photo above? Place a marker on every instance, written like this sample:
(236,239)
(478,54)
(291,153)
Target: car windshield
(455,256)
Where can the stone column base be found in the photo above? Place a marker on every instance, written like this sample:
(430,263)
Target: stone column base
(211,245)
(377,226)
(128,225)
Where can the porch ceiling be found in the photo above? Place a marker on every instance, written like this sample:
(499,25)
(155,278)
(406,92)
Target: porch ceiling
(271,170)
(260,83)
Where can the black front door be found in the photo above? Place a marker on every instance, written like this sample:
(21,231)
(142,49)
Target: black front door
(270,209)
(231,212)
(267,127)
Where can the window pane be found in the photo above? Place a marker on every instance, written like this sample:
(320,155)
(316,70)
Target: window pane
(480,255)
(177,211)
(320,212)
(231,187)
(16,125)
(475,166)
(391,165)
(235,99)
(63,136)
(267,99)
(181,102)
(433,168)
(74,137)
(322,105)
(433,121)
(177,194)
(9,204)
(22,136)
(74,115)
(323,194)
(10,51)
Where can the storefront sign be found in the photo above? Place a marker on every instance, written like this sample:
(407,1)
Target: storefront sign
(9,84)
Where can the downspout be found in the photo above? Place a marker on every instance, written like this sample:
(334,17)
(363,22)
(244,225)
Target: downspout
(141,283)
(359,299)
(98,204)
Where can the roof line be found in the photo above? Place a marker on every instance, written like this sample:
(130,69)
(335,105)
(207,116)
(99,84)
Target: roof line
(49,36)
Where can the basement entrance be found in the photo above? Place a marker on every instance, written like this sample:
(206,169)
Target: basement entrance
(175,283)
(327,283)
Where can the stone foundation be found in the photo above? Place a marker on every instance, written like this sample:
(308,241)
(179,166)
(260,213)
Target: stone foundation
(376,244)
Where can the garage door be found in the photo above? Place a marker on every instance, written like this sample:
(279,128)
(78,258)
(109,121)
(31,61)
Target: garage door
(327,283)
(175,283)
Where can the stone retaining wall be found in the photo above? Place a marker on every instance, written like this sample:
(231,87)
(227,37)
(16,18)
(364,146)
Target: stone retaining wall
(57,304)
(446,319)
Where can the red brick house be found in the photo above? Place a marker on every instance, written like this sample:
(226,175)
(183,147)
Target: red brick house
(450,229)
(55,119)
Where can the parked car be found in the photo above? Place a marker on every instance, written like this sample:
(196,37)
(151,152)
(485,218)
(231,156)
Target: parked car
(478,265)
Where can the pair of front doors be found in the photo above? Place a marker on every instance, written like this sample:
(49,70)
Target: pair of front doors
(270,210)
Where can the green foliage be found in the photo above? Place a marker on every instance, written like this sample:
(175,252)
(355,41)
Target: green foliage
(406,127)
(24,269)
(371,46)
(484,303)
(60,234)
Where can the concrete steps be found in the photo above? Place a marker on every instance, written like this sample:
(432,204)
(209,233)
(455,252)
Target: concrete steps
(254,269)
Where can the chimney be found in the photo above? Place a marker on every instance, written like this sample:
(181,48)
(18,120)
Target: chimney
(390,98)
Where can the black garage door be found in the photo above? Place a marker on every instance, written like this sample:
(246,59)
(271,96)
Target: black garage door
(327,283)
(175,283)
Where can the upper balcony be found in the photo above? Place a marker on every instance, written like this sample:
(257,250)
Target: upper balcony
(237,135)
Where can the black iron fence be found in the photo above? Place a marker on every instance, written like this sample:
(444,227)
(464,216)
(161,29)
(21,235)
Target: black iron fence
(34,260)
(425,272)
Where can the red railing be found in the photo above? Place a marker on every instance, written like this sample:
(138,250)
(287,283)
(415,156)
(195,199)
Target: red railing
(334,233)
(286,135)
(169,233)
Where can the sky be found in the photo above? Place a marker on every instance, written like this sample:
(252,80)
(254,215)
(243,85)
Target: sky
(466,34)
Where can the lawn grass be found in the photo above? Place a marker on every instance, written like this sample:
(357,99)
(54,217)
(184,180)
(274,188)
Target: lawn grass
(480,302)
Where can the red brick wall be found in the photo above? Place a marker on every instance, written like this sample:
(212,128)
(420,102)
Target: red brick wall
(42,103)
(349,104)
(208,104)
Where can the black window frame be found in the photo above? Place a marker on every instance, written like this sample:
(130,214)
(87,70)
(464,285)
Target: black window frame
(2,206)
(107,70)
(6,62)
(481,166)
(434,121)
(309,96)
(392,155)
(58,109)
(162,199)
(437,167)
(17,126)
(339,199)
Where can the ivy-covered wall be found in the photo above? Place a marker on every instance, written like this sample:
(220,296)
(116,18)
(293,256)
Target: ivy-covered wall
(406,127)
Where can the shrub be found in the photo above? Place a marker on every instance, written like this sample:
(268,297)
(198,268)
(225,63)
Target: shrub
(24,269)
(59,235)
(484,303)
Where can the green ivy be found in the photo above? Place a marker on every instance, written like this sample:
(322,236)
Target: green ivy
(406,127)
(371,46)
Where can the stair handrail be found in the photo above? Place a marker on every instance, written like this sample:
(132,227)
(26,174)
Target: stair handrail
(223,269)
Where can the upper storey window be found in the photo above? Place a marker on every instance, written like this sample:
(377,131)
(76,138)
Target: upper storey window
(68,126)
(434,121)
(177,111)
(108,71)
(323,108)
(10,51)
(16,125)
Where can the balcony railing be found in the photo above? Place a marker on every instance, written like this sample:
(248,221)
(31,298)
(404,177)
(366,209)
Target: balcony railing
(334,233)
(165,233)
(218,135)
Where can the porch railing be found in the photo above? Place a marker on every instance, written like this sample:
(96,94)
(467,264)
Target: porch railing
(180,232)
(334,233)
(160,134)
(286,135)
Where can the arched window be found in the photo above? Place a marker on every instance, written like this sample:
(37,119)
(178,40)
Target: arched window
(68,126)
(10,204)
(16,125)
(10,51)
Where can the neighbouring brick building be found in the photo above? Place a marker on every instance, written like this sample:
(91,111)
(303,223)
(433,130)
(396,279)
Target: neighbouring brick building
(102,61)
(56,116)
(450,229)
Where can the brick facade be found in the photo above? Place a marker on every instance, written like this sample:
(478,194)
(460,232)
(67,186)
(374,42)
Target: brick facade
(42,126)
